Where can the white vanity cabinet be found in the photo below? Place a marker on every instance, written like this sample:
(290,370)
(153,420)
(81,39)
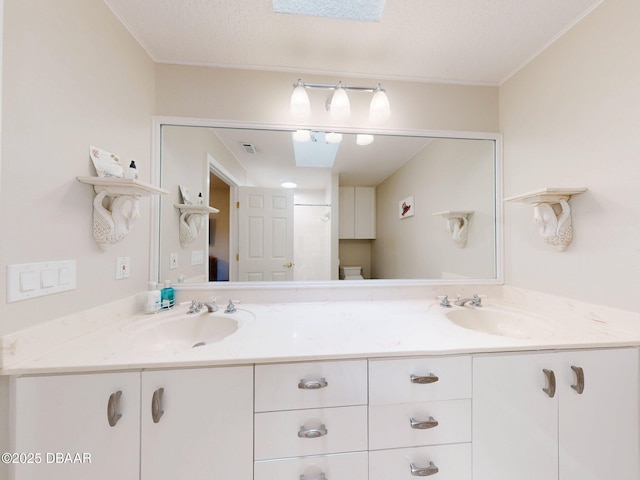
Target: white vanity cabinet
(357,212)
(310,420)
(79,426)
(420,418)
(197,423)
(533,420)
(194,423)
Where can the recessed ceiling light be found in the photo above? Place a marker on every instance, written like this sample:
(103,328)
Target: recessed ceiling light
(288,184)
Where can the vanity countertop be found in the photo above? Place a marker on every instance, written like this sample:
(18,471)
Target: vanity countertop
(284,332)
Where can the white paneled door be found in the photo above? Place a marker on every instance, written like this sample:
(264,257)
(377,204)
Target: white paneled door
(266,234)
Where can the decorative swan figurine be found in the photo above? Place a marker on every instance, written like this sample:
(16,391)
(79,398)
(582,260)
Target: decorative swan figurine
(556,230)
(113,224)
(190,225)
(459,230)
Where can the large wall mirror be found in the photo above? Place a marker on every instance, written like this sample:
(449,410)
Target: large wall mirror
(369,206)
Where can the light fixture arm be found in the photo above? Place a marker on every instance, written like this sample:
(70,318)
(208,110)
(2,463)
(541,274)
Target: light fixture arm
(327,86)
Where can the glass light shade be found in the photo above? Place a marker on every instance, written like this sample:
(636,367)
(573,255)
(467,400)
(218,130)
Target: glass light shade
(364,139)
(300,106)
(302,136)
(340,108)
(379,109)
(333,137)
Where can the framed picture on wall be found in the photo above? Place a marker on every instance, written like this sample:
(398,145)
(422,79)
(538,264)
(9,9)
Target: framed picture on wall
(406,207)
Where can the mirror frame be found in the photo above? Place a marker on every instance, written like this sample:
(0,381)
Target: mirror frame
(155,171)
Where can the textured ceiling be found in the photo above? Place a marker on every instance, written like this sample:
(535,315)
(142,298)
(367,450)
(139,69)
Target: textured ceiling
(479,42)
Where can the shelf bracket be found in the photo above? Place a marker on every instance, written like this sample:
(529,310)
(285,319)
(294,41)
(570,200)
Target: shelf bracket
(552,213)
(457,224)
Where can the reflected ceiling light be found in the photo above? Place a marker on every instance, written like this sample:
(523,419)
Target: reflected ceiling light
(364,139)
(302,135)
(288,184)
(300,105)
(338,103)
(333,137)
(379,109)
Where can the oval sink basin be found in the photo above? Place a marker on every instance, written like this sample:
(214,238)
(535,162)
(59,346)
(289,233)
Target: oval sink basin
(185,332)
(499,321)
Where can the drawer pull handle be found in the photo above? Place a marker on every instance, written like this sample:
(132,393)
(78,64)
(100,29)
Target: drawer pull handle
(423,424)
(422,380)
(313,384)
(431,469)
(312,432)
(579,386)
(319,477)
(156,405)
(550,389)
(113,407)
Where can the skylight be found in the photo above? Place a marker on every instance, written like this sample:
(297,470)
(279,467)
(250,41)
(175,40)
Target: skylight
(359,10)
(316,152)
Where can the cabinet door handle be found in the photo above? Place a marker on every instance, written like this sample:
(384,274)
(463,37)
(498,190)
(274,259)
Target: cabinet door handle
(319,477)
(431,378)
(423,424)
(156,405)
(312,384)
(113,408)
(305,432)
(579,386)
(431,469)
(550,389)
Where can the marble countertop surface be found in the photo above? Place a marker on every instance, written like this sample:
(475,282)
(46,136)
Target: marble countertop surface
(283,332)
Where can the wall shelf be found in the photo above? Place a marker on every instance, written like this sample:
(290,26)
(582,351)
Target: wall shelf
(552,213)
(458,225)
(113,221)
(192,218)
(546,195)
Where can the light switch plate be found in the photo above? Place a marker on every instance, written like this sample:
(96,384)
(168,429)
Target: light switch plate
(31,280)
(197,257)
(123,267)
(173,261)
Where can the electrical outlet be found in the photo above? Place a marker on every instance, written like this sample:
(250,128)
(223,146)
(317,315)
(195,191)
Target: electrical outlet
(123,267)
(173,260)
(197,257)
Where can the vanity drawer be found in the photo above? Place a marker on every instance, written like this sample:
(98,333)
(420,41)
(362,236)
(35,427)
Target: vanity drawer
(278,434)
(452,461)
(434,378)
(442,422)
(344,466)
(310,385)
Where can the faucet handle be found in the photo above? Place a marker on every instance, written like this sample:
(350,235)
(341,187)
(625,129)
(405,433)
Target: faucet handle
(231,307)
(444,301)
(477,300)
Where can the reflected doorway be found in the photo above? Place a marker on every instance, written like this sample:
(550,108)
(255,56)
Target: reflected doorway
(219,229)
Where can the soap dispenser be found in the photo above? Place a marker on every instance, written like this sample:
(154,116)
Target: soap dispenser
(154,299)
(168,295)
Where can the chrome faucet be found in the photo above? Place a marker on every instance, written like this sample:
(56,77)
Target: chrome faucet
(196,306)
(476,301)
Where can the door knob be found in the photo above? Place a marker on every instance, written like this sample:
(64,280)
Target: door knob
(288,264)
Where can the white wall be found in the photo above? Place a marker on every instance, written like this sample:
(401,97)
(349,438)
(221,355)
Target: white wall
(261,96)
(448,174)
(571,118)
(73,77)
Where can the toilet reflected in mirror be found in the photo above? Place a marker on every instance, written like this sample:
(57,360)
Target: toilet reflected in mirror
(351,273)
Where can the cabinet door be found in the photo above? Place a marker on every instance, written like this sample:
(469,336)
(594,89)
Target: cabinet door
(200,426)
(599,427)
(347,219)
(515,423)
(365,212)
(65,419)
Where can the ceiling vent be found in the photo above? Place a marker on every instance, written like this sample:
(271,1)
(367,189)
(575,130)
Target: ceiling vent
(247,147)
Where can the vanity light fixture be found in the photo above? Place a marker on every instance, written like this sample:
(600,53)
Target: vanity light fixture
(333,137)
(363,139)
(338,103)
